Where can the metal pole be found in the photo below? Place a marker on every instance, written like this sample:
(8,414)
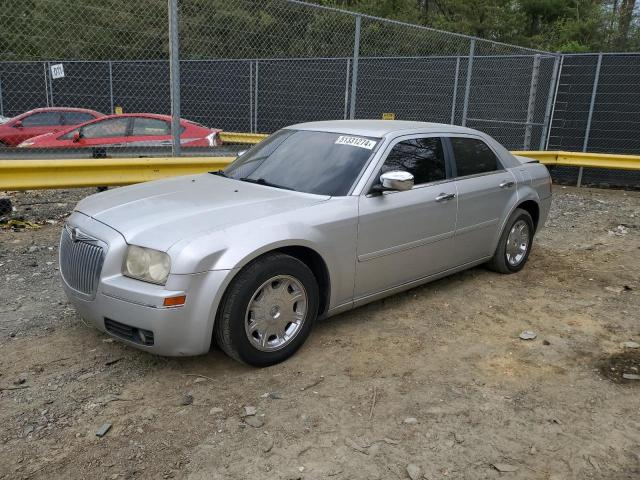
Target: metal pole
(354,75)
(592,104)
(587,132)
(111,85)
(1,104)
(551,103)
(174,76)
(46,83)
(255,104)
(531,108)
(251,96)
(346,89)
(50,84)
(454,99)
(467,91)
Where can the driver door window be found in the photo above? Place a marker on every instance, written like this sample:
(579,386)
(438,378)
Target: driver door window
(114,127)
(421,157)
(36,124)
(42,119)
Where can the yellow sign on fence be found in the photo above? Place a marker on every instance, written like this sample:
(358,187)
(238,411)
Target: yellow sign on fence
(389,116)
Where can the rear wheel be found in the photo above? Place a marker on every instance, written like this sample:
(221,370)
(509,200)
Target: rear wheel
(515,243)
(268,310)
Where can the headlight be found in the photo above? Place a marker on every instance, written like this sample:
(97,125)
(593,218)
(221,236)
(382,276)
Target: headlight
(146,264)
(212,139)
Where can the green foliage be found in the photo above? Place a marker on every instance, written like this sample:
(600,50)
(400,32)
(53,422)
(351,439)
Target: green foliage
(555,25)
(128,30)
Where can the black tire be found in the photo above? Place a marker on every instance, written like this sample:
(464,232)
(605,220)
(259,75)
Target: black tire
(229,331)
(499,261)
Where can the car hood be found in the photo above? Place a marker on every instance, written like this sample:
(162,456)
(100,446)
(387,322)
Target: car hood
(160,213)
(44,136)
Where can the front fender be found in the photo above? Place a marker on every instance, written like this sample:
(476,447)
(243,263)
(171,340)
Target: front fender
(329,230)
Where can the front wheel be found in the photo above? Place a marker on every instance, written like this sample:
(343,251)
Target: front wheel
(268,310)
(515,243)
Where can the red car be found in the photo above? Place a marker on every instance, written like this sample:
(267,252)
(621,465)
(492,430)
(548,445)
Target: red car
(43,120)
(127,130)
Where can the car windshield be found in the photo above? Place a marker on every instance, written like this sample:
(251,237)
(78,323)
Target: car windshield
(322,163)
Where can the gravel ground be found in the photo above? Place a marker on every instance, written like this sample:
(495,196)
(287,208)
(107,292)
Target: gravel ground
(433,383)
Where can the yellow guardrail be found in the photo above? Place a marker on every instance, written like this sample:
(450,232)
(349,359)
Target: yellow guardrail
(250,138)
(41,174)
(579,159)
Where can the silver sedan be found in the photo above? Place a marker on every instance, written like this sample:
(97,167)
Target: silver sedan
(317,219)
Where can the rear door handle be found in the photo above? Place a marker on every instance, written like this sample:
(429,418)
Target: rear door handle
(507,184)
(445,196)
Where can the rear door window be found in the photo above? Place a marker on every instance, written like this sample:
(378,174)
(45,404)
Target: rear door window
(473,156)
(150,127)
(76,118)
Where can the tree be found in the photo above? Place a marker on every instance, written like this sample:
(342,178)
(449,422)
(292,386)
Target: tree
(626,15)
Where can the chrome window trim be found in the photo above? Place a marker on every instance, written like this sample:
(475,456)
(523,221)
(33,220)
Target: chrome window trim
(415,187)
(483,174)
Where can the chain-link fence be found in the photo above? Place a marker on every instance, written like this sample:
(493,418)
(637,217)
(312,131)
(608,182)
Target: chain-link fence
(249,66)
(597,109)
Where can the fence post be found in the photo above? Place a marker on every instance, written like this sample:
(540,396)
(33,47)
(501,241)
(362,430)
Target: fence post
(354,74)
(255,102)
(531,108)
(174,76)
(50,83)
(454,100)
(46,83)
(346,90)
(551,102)
(587,132)
(251,96)
(467,90)
(1,103)
(111,86)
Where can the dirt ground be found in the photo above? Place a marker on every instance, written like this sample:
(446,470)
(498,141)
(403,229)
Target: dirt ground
(434,379)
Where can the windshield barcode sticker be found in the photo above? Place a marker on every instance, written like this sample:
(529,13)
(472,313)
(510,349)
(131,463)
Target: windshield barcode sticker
(356,142)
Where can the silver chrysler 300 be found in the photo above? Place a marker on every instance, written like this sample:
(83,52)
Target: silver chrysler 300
(317,219)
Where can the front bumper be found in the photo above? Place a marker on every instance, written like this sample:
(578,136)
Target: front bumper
(177,331)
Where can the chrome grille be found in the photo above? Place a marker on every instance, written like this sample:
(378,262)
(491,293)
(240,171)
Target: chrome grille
(80,262)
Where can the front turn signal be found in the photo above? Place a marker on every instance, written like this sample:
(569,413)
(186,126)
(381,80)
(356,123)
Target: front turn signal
(175,301)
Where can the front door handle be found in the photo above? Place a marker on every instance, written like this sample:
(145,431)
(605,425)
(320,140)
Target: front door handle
(445,196)
(507,184)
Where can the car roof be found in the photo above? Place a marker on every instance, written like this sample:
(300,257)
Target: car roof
(62,109)
(145,115)
(379,128)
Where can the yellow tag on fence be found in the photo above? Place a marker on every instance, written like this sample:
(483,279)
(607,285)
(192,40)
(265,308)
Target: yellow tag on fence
(118,110)
(389,116)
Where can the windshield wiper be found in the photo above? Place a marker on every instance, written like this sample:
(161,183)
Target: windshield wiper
(220,173)
(262,181)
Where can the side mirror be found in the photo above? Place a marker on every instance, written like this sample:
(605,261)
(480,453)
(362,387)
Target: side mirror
(76,136)
(394,181)
(18,124)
